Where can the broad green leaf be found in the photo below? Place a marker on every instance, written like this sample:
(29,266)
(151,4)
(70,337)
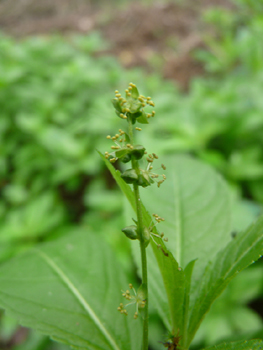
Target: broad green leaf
(70,289)
(166,278)
(195,203)
(242,251)
(239,345)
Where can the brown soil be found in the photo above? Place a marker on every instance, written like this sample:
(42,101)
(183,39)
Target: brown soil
(162,36)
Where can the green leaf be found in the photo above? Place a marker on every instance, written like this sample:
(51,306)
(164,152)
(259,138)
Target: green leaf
(69,289)
(195,203)
(143,118)
(242,251)
(239,345)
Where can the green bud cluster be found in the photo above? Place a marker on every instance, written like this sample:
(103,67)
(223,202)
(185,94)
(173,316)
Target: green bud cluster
(131,108)
(147,233)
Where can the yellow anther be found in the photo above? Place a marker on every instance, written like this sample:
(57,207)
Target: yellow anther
(112,160)
(108,137)
(163,166)
(153,113)
(142,304)
(155,156)
(159,183)
(165,239)
(118,95)
(139,129)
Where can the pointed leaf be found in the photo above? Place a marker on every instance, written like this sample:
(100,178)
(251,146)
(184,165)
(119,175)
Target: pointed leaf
(239,345)
(242,251)
(69,289)
(195,203)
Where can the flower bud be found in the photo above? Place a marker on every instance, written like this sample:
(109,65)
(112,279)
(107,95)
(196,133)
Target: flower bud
(130,176)
(130,231)
(126,158)
(138,152)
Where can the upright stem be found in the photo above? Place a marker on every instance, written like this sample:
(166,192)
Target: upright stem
(140,228)
(144,265)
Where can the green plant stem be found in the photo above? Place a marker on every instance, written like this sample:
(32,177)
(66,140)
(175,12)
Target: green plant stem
(144,265)
(140,228)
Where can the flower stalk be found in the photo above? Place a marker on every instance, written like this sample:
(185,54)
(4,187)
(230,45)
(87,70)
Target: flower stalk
(131,109)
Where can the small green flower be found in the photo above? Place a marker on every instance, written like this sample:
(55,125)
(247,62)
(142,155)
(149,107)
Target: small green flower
(122,148)
(137,298)
(147,176)
(149,234)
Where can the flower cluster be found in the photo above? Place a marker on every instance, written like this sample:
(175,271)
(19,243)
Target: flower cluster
(148,234)
(131,108)
(136,298)
(133,105)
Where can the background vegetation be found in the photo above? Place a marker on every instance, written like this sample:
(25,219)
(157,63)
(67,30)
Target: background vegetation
(55,110)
